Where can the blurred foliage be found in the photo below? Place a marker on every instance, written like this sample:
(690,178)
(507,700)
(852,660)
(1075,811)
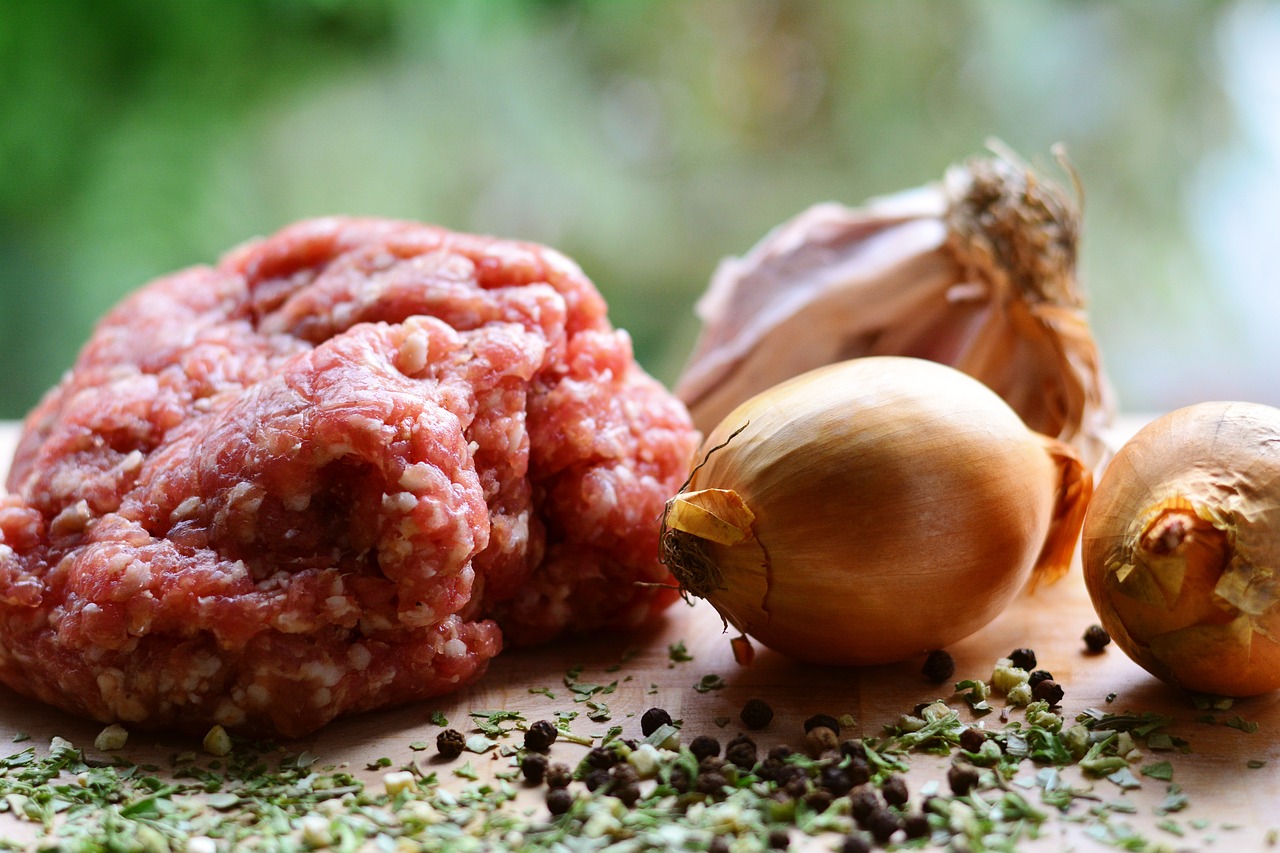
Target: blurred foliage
(645,140)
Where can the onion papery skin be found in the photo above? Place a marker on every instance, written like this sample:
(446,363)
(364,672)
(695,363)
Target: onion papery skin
(1181,548)
(894,506)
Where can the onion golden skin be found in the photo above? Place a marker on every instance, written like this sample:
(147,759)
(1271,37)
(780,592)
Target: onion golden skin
(1181,548)
(899,506)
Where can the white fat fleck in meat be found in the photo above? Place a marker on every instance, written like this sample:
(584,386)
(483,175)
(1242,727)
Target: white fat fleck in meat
(298,502)
(455,648)
(135,578)
(320,671)
(412,356)
(400,502)
(422,477)
(130,463)
(258,695)
(73,519)
(228,713)
(359,657)
(322,697)
(184,510)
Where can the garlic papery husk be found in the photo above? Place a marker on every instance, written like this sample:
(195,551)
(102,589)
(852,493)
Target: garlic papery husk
(1181,548)
(870,510)
(977,272)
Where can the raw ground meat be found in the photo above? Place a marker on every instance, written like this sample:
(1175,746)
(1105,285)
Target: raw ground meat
(328,475)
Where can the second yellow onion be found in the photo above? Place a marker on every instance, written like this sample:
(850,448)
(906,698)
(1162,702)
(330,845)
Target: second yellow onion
(867,511)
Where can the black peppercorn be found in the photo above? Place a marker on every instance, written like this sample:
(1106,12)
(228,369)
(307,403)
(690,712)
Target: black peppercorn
(1038,676)
(710,763)
(679,780)
(882,824)
(595,779)
(819,741)
(559,775)
(835,779)
(796,786)
(779,839)
(915,825)
(450,743)
(534,768)
(540,736)
(825,721)
(780,752)
(972,739)
(1096,638)
(602,757)
(894,790)
(756,714)
(704,745)
(628,793)
(855,843)
(939,666)
(654,719)
(962,778)
(710,782)
(818,800)
(862,802)
(1023,659)
(719,844)
(853,748)
(559,800)
(859,770)
(1048,691)
(742,752)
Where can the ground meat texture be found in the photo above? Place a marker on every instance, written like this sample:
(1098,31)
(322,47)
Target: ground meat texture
(330,474)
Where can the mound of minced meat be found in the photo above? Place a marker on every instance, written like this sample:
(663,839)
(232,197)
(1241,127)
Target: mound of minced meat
(330,474)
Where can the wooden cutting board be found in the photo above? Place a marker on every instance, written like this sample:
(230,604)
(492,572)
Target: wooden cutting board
(1232,806)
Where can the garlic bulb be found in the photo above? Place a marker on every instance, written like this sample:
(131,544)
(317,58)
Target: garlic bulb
(977,272)
(871,510)
(1181,548)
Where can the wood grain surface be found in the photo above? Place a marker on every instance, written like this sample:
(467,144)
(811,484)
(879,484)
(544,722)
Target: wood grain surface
(1232,806)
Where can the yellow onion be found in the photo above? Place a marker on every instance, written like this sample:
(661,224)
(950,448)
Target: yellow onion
(870,510)
(1181,548)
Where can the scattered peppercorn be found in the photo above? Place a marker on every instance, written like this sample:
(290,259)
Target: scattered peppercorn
(882,824)
(602,757)
(894,790)
(719,844)
(540,736)
(711,782)
(859,770)
(559,775)
(939,666)
(819,741)
(742,752)
(1096,638)
(819,800)
(534,768)
(822,721)
(796,786)
(756,714)
(679,780)
(862,802)
(627,792)
(1048,691)
(1023,659)
(853,748)
(1038,676)
(710,763)
(972,739)
(962,778)
(654,719)
(835,779)
(559,800)
(450,743)
(855,843)
(916,825)
(704,745)
(779,839)
(596,779)
(780,752)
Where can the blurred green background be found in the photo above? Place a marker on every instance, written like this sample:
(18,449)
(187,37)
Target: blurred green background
(644,139)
